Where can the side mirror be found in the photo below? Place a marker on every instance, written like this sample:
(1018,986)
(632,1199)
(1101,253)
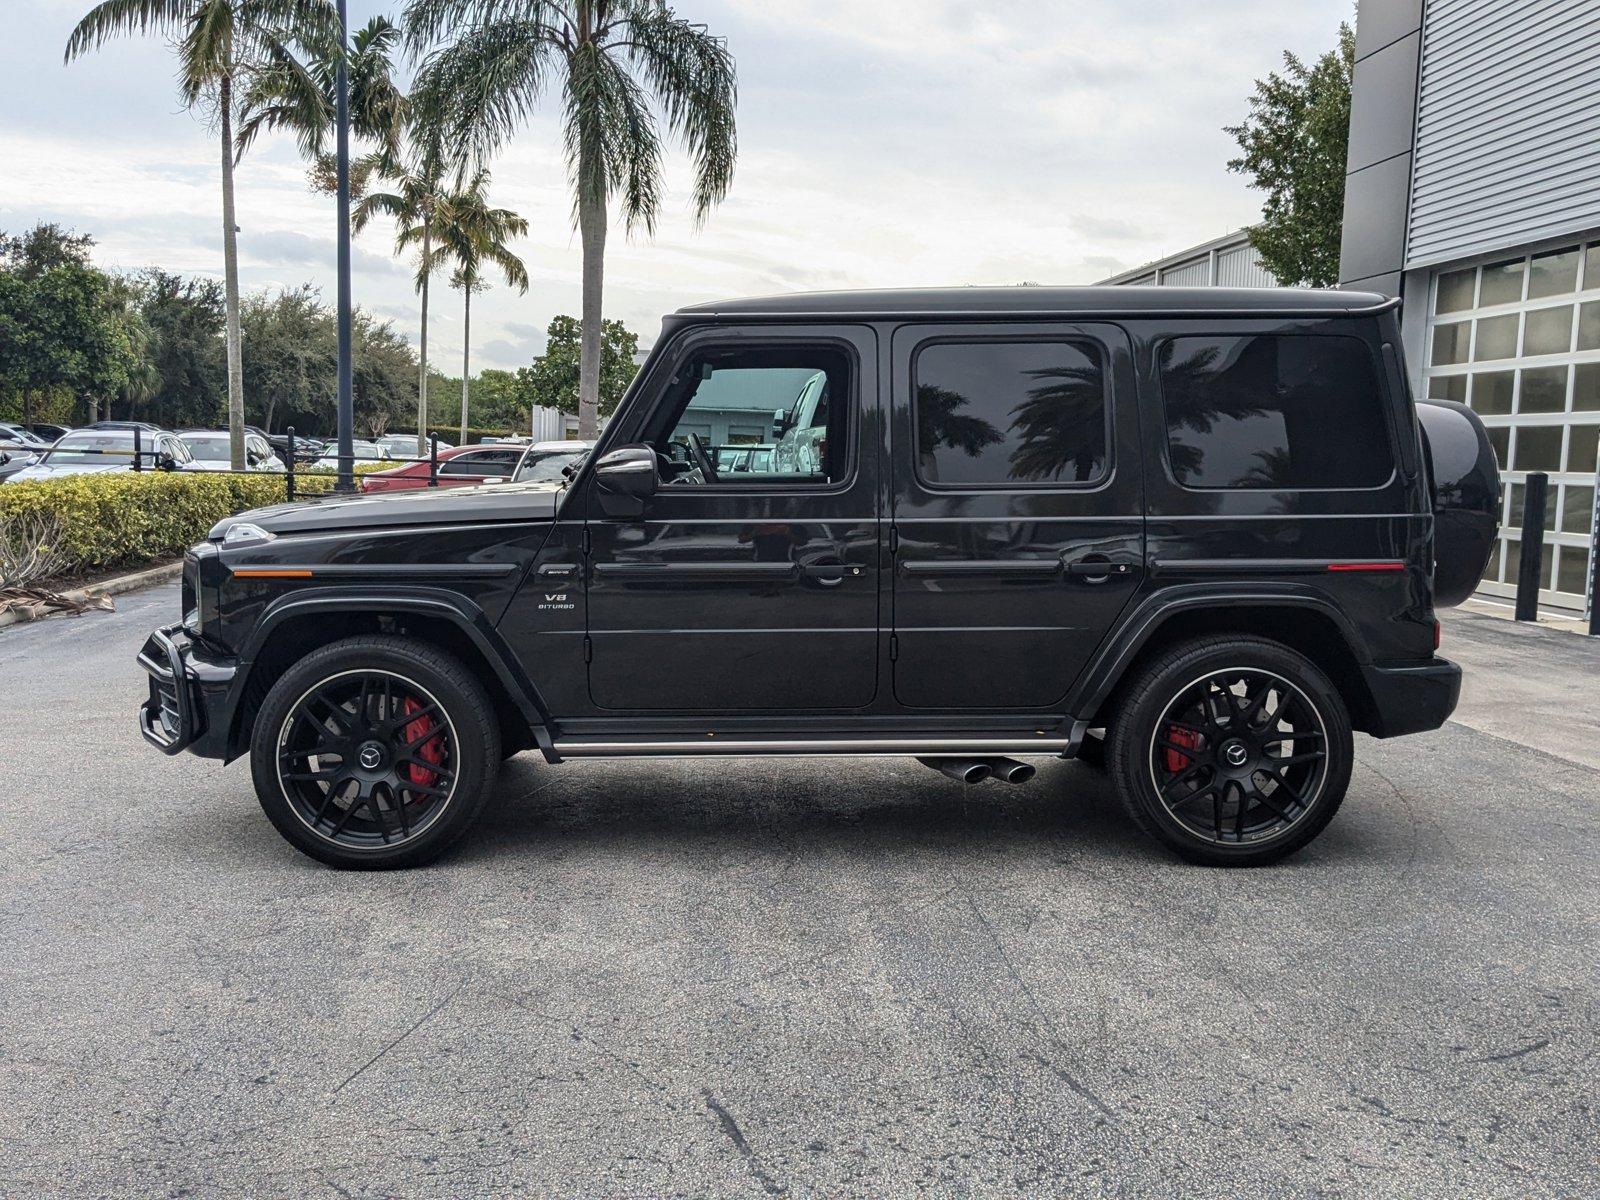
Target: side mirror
(626,477)
(165,461)
(255,458)
(780,423)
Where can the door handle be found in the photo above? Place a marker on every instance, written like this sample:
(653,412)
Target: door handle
(1098,569)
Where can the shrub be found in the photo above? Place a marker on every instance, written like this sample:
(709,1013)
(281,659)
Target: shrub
(126,518)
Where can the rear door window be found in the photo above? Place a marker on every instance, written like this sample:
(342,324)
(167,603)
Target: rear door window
(1010,414)
(1274,412)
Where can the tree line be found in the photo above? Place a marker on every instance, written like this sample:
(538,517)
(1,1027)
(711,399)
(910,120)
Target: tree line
(629,73)
(79,344)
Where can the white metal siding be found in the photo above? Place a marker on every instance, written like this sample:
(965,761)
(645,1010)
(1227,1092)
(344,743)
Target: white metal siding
(1190,274)
(1239,267)
(1508,134)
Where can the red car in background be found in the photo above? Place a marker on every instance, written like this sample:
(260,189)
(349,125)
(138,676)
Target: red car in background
(470,466)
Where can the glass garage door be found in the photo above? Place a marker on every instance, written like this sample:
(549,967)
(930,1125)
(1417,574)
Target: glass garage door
(1518,339)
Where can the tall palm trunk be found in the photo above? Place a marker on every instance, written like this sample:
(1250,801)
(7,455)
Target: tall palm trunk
(422,379)
(592,228)
(466,357)
(230,284)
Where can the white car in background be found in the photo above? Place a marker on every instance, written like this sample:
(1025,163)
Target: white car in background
(404,445)
(359,450)
(96,451)
(212,451)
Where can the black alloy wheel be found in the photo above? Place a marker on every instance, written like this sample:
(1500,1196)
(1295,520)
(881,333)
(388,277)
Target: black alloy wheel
(367,758)
(1233,750)
(375,751)
(1239,756)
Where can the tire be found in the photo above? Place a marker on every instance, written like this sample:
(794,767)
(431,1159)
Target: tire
(1201,756)
(411,713)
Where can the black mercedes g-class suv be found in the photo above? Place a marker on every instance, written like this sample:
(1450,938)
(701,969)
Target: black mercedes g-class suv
(1196,535)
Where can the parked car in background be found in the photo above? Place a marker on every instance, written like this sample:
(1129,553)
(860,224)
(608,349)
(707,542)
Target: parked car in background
(549,462)
(14,458)
(470,466)
(46,432)
(306,449)
(361,451)
(464,466)
(142,426)
(213,451)
(404,445)
(93,451)
(16,437)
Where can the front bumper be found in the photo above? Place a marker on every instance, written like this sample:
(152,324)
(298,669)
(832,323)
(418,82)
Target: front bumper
(188,705)
(1412,699)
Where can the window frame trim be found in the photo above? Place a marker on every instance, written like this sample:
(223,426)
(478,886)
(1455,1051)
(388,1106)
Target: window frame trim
(1108,411)
(1380,388)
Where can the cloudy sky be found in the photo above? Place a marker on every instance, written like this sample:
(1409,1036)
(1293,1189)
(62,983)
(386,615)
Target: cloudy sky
(897,143)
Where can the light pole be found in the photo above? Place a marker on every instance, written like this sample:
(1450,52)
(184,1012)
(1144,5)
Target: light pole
(346,480)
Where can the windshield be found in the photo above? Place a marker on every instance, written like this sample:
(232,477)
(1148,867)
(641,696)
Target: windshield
(109,448)
(209,449)
(546,466)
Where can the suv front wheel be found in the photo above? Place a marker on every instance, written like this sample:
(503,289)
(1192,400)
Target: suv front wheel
(375,752)
(1233,751)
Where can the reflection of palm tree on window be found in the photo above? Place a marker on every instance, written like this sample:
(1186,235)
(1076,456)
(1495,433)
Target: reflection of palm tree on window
(1272,470)
(1193,400)
(938,423)
(1061,422)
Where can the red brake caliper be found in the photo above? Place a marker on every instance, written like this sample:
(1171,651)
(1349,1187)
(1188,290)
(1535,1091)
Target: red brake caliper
(431,751)
(1175,760)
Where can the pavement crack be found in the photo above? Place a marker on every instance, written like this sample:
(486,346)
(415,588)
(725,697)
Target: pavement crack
(735,1135)
(416,1025)
(1511,1054)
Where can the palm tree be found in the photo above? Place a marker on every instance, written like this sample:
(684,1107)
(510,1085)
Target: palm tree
(296,93)
(475,236)
(418,191)
(220,43)
(608,57)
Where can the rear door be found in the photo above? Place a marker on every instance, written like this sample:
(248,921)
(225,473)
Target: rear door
(1018,535)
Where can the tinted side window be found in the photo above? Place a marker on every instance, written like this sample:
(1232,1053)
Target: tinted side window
(1274,411)
(1010,413)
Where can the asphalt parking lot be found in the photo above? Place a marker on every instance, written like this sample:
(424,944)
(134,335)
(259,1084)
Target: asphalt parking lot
(828,978)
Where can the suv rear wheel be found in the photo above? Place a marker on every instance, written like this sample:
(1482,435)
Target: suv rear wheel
(1233,751)
(375,752)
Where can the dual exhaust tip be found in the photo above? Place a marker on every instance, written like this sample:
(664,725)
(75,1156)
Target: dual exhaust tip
(976,770)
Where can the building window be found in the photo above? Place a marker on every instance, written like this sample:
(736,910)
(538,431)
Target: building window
(1518,339)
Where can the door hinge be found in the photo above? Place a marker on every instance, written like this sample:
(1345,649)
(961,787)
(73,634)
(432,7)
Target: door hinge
(894,647)
(588,648)
(894,541)
(588,542)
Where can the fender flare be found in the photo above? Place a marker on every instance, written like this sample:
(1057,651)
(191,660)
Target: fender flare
(439,603)
(1110,664)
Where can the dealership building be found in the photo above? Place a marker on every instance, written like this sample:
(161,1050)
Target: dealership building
(1473,193)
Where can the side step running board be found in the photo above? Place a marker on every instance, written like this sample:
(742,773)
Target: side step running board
(917,747)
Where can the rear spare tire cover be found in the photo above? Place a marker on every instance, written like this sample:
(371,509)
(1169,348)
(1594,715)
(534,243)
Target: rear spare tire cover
(1465,483)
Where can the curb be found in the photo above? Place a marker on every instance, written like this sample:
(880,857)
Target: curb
(109,587)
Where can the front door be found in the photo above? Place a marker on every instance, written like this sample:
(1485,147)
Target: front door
(750,581)
(1017,499)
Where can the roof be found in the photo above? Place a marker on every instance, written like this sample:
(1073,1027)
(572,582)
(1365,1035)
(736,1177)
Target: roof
(1041,301)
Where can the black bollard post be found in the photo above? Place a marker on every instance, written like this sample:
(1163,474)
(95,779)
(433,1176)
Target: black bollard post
(1535,493)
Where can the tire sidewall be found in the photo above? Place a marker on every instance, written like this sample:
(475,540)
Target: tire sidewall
(1146,702)
(470,713)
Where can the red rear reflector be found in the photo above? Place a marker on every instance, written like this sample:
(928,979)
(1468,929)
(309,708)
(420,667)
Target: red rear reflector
(1438,636)
(1371,566)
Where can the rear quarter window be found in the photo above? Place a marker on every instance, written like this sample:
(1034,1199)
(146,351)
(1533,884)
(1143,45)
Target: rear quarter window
(1274,412)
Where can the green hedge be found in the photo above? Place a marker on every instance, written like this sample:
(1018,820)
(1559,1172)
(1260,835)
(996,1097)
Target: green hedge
(129,518)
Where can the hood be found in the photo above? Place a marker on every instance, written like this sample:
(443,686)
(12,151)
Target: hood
(50,471)
(512,503)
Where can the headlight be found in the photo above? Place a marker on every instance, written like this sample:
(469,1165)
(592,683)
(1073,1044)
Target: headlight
(243,531)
